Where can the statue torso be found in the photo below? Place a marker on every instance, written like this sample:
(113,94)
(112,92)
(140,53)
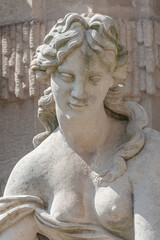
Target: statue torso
(75,195)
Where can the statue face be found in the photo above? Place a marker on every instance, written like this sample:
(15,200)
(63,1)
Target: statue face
(81,82)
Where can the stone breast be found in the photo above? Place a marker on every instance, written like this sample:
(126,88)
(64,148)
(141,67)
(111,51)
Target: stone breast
(68,206)
(113,205)
(76,198)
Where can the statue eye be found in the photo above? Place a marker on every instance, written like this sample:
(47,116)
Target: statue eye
(66,77)
(94,79)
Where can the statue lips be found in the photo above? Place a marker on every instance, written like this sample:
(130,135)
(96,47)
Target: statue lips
(77,105)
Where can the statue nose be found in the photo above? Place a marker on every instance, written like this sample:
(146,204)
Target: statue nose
(78,91)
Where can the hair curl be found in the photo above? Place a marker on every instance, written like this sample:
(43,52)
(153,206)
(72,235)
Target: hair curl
(100,33)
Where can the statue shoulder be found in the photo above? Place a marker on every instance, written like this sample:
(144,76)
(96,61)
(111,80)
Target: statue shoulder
(151,149)
(151,135)
(147,162)
(30,172)
(145,186)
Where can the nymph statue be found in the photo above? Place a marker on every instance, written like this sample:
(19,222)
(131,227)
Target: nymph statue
(95,171)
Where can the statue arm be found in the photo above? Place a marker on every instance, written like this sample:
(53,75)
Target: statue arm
(146,188)
(23,179)
(18,204)
(17,217)
(147,208)
(25,229)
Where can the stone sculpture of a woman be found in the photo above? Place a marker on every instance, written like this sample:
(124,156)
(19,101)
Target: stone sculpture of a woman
(96,171)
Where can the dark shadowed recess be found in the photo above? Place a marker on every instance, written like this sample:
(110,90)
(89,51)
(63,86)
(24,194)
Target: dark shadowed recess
(41,237)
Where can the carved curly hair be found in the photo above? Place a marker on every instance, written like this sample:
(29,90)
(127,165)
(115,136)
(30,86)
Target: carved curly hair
(100,33)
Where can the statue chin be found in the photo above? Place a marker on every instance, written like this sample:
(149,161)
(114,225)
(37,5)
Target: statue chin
(94,172)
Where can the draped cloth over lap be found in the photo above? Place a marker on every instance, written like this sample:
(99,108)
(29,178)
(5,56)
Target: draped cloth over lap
(15,208)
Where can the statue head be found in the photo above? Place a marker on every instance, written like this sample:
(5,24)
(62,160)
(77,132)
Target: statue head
(89,38)
(99,36)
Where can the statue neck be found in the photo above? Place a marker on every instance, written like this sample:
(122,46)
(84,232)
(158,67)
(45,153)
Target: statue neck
(86,133)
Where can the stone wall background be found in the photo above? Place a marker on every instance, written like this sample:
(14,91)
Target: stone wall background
(23,25)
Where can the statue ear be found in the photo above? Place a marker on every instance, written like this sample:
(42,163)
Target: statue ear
(120,74)
(41,76)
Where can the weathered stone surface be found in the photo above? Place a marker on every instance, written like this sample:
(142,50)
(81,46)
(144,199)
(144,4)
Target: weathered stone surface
(14,87)
(24,86)
(94,172)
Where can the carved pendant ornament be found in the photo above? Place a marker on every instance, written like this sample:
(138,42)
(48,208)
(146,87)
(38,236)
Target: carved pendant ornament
(94,172)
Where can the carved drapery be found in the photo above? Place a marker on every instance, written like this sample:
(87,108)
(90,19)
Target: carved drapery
(19,42)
